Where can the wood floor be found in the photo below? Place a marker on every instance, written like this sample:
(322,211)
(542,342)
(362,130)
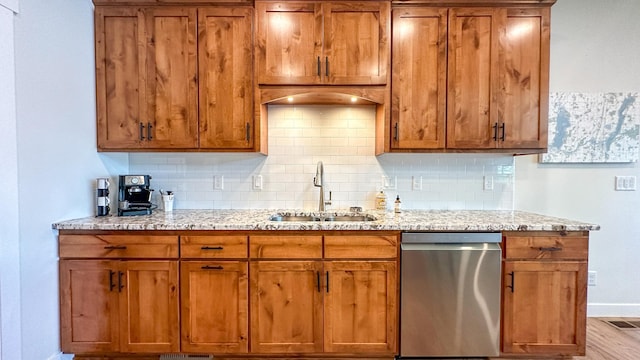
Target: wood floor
(606,342)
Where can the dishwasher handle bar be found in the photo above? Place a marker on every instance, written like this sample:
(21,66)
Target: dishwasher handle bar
(450,238)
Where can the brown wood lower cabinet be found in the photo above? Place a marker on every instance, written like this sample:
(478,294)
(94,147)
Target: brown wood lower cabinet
(214,298)
(119,306)
(545,293)
(298,294)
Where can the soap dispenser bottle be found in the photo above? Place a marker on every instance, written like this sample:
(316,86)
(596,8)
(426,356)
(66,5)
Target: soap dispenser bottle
(396,207)
(381,200)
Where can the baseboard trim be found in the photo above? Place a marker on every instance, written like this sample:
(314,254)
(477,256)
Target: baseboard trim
(60,356)
(613,310)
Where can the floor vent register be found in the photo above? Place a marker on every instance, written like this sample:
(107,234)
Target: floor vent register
(625,325)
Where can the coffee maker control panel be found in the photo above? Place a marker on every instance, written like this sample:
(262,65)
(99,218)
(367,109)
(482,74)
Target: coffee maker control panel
(135,180)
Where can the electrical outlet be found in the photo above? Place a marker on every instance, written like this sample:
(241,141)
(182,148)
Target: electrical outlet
(389,182)
(257,182)
(625,183)
(592,278)
(218,182)
(416,183)
(487,184)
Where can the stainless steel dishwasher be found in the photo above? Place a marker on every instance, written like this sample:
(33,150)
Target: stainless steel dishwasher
(450,294)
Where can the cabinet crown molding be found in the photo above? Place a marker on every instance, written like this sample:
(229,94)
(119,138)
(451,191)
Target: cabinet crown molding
(471,3)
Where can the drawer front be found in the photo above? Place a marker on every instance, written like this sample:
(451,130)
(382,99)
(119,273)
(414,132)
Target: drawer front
(285,247)
(214,247)
(118,246)
(553,247)
(360,247)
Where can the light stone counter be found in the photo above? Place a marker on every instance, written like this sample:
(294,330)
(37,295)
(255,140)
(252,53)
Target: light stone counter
(408,220)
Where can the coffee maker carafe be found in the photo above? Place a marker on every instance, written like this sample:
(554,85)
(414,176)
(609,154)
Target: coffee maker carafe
(134,195)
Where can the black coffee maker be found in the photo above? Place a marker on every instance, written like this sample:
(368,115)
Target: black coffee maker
(134,195)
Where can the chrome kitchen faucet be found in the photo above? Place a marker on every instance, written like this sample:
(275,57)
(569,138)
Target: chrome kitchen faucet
(318,181)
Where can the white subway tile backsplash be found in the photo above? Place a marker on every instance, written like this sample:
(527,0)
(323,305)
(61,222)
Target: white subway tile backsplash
(343,138)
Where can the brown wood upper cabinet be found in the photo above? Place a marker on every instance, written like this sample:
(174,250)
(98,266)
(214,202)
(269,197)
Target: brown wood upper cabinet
(307,43)
(174,78)
(470,78)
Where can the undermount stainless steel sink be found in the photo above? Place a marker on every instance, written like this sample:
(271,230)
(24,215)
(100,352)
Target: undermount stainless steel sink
(322,218)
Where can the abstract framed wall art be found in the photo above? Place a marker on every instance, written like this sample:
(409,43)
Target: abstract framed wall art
(593,128)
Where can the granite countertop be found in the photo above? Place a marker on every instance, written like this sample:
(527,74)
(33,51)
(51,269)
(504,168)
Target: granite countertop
(407,220)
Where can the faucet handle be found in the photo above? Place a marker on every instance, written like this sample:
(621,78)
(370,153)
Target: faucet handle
(328,202)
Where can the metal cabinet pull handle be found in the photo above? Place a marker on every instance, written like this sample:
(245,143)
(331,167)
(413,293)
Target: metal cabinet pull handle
(212,248)
(149,126)
(209,267)
(112,285)
(495,131)
(318,62)
(396,134)
(512,286)
(326,65)
(502,128)
(318,280)
(248,136)
(327,281)
(141,131)
(120,285)
(115,247)
(552,248)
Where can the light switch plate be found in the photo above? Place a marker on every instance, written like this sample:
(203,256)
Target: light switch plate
(625,183)
(416,183)
(257,182)
(218,182)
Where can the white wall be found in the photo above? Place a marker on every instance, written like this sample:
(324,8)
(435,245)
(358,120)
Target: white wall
(9,227)
(57,160)
(594,48)
(343,139)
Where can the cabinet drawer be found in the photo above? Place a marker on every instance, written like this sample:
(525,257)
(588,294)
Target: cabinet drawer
(213,247)
(356,247)
(572,246)
(285,247)
(118,246)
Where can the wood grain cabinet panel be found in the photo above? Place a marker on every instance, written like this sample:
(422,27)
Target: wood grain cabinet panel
(473,77)
(496,64)
(544,293)
(286,307)
(175,77)
(146,78)
(119,306)
(118,246)
(215,307)
(214,246)
(418,97)
(225,42)
(308,43)
(360,307)
(545,312)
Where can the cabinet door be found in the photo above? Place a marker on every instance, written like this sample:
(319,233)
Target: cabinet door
(473,74)
(544,310)
(356,42)
(149,306)
(289,42)
(526,79)
(418,95)
(171,78)
(120,88)
(286,307)
(225,53)
(214,306)
(360,307)
(88,306)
